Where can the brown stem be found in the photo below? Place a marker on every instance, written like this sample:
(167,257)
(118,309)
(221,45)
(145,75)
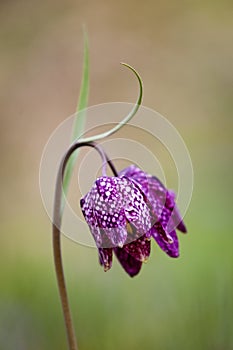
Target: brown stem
(62,289)
(57,219)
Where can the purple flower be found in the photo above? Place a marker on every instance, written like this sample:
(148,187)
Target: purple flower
(124,212)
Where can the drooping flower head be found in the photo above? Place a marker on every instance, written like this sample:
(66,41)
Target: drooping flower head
(124,212)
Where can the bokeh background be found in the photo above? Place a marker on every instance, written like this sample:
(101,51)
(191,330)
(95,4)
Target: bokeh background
(183,51)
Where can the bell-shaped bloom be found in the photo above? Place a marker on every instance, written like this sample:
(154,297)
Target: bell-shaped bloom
(124,212)
(113,207)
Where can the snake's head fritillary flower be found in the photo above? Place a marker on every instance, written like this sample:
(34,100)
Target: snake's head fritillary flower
(118,217)
(124,212)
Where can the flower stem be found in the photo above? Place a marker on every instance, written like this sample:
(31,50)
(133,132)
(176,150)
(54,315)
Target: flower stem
(62,289)
(57,220)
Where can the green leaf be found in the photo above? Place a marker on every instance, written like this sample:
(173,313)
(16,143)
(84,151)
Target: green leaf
(79,122)
(129,116)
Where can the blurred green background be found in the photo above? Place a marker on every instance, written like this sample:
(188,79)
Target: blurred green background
(183,51)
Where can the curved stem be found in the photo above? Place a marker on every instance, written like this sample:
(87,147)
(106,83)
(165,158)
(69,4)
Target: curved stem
(57,237)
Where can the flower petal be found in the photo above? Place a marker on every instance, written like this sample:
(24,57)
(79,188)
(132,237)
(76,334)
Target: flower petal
(139,249)
(116,235)
(128,262)
(138,175)
(178,222)
(137,211)
(181,227)
(90,218)
(153,189)
(102,209)
(172,249)
(112,203)
(157,194)
(105,258)
(176,219)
